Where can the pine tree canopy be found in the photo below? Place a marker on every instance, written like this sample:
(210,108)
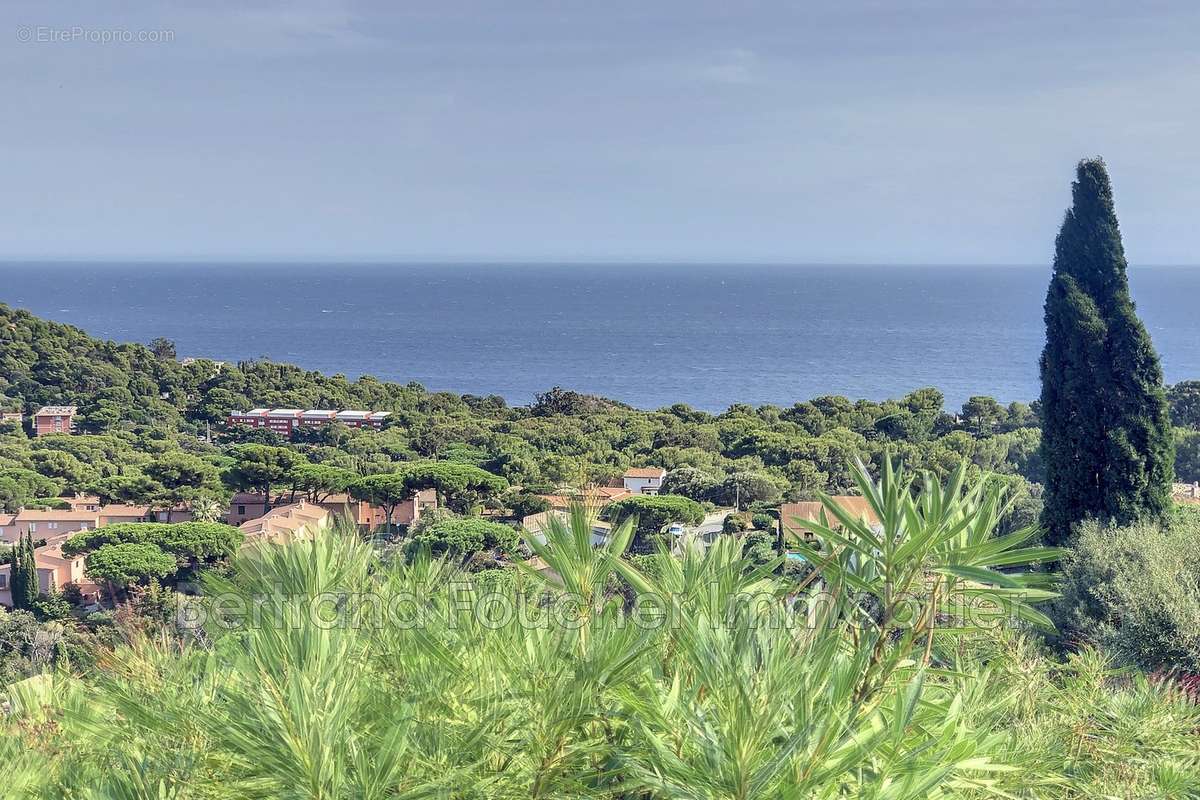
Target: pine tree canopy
(1106,435)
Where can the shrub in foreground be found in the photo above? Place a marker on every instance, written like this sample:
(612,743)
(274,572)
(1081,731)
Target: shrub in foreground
(1135,592)
(718,681)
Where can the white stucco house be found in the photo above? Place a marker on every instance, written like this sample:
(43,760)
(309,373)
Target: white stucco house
(644,480)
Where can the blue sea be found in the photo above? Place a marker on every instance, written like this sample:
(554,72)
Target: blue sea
(649,335)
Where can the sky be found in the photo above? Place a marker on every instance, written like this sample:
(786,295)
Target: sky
(935,131)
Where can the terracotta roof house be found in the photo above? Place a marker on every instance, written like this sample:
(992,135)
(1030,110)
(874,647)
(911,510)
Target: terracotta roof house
(119,513)
(246,506)
(46,524)
(369,517)
(593,496)
(792,516)
(286,523)
(538,524)
(54,571)
(83,502)
(54,419)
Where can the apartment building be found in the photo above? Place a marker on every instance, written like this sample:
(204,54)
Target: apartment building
(286,421)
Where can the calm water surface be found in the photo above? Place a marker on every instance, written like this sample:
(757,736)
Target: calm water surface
(649,335)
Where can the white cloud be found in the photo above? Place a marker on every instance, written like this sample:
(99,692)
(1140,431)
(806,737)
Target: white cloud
(733,66)
(282,27)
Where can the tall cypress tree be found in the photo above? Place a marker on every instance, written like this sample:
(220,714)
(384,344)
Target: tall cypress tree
(15,575)
(1106,434)
(32,584)
(23,580)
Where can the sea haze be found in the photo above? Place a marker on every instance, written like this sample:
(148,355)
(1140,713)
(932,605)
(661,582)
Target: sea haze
(649,335)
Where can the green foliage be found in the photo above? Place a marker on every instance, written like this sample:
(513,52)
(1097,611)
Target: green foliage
(62,466)
(52,607)
(459,484)
(524,504)
(188,541)
(1187,455)
(1135,591)
(142,549)
(1106,438)
(736,523)
(743,488)
(29,646)
(127,563)
(152,409)
(1080,729)
(1184,401)
(728,700)
(691,482)
(653,513)
(260,467)
(135,488)
(559,401)
(461,537)
(387,490)
(20,487)
(183,478)
(23,575)
(318,481)
(760,548)
(982,415)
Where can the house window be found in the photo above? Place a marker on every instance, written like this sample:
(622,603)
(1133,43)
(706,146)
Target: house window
(241,510)
(33,527)
(4,581)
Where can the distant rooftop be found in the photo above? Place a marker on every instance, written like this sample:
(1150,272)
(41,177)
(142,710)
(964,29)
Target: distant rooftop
(56,411)
(312,413)
(645,472)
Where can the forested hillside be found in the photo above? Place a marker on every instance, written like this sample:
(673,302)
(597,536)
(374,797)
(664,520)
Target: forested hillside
(137,401)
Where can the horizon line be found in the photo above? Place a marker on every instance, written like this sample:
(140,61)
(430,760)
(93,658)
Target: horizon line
(515,262)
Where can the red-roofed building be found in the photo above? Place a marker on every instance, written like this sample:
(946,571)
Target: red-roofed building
(47,524)
(55,570)
(792,516)
(248,506)
(54,419)
(592,497)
